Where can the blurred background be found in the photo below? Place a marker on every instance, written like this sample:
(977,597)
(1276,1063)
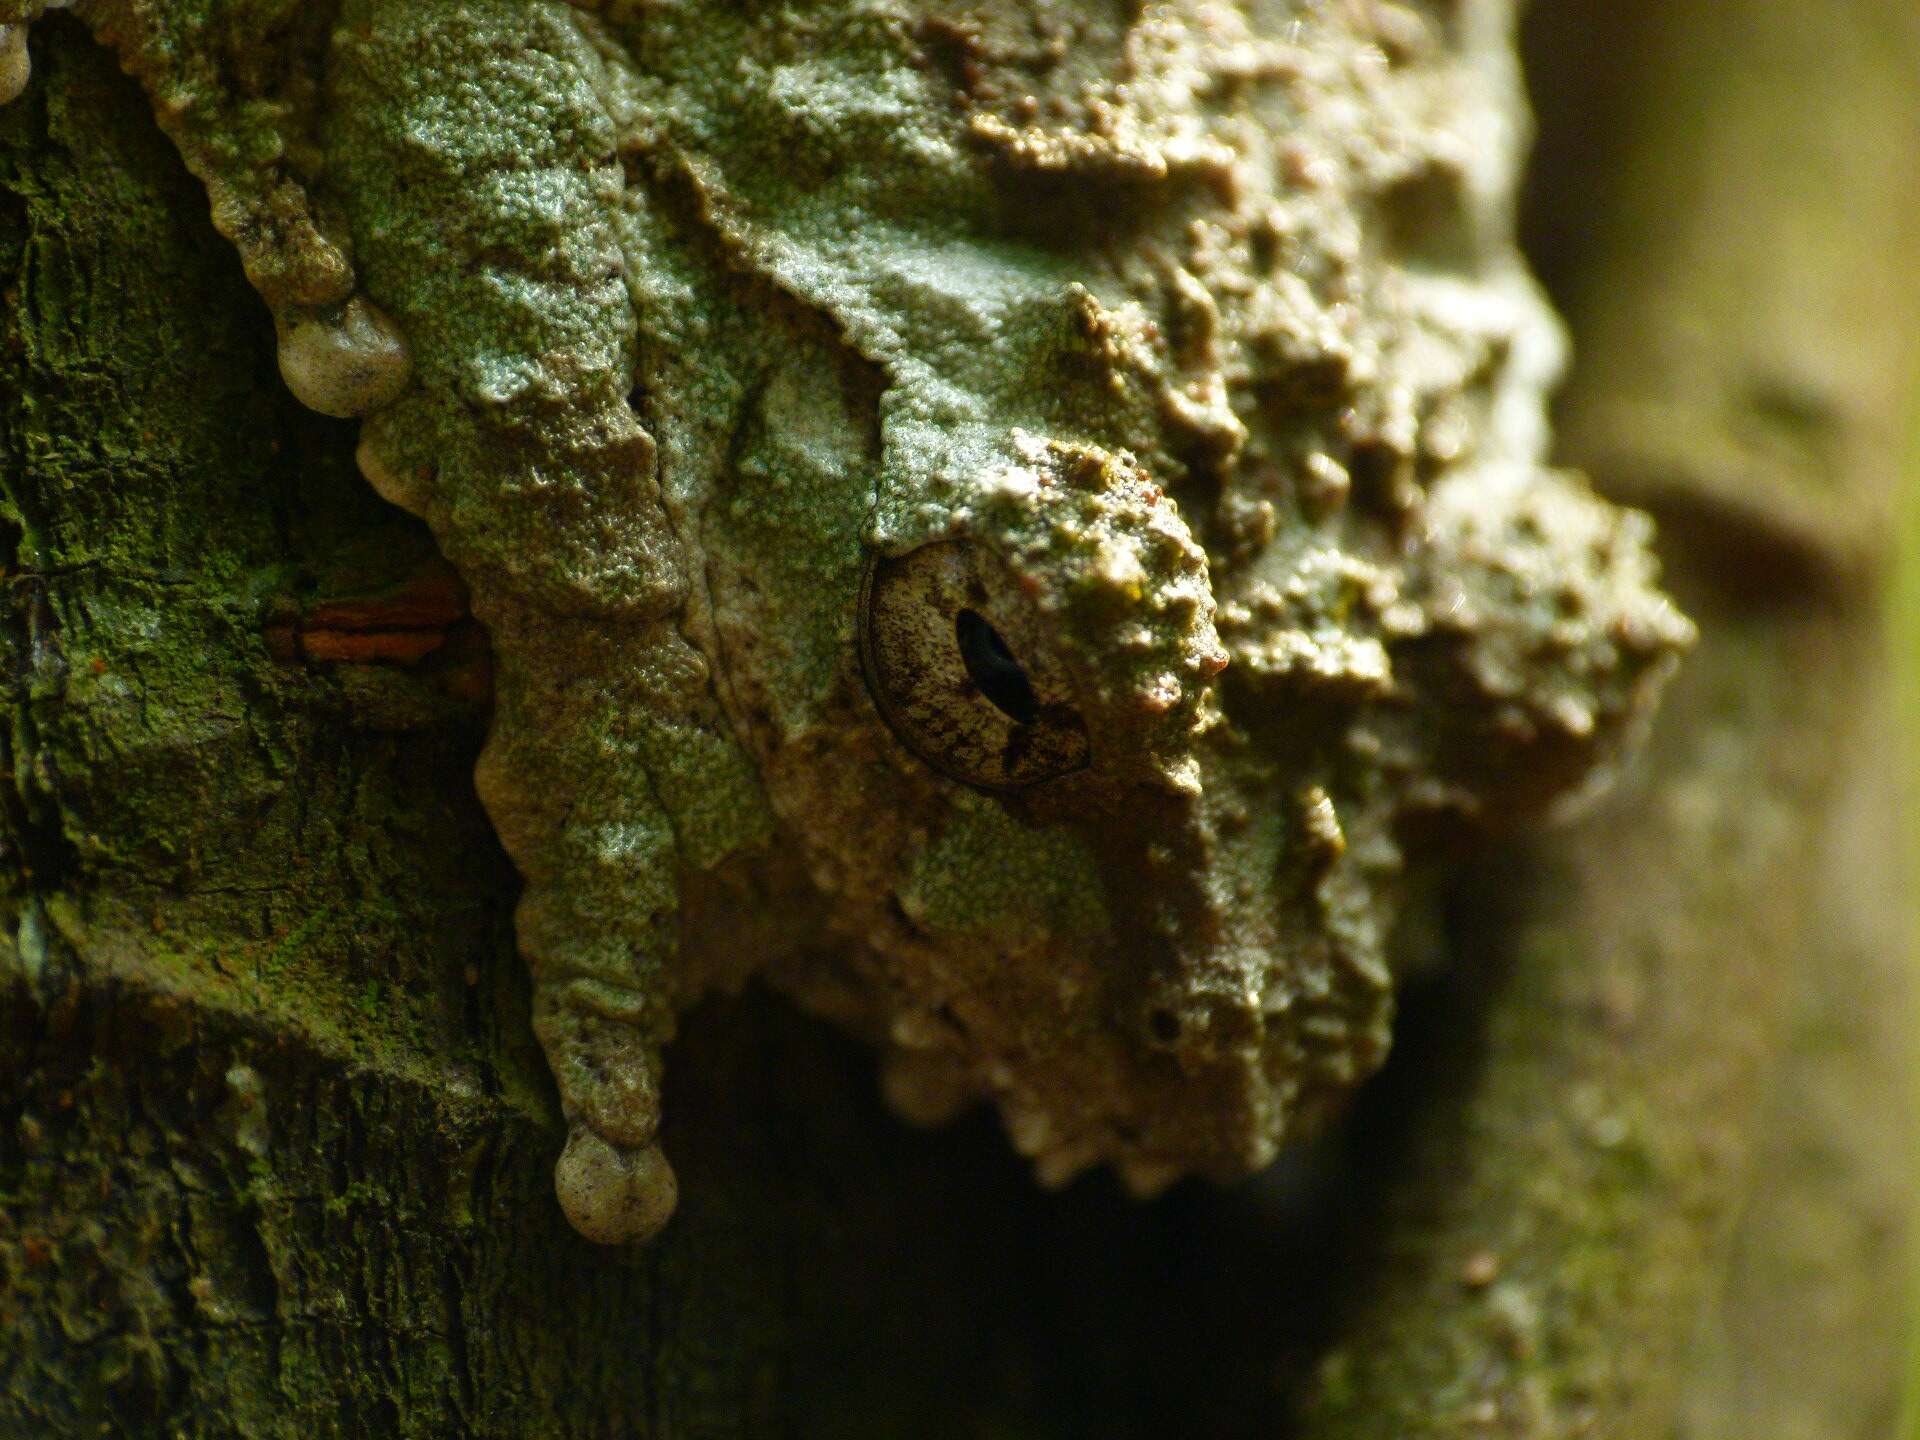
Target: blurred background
(1724,204)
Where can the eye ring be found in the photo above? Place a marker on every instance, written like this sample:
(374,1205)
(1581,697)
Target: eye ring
(958,665)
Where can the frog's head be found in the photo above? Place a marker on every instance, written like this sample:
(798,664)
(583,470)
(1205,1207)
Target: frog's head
(1120,831)
(1110,913)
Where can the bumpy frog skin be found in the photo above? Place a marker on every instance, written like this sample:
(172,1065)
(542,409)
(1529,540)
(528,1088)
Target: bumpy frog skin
(1019,522)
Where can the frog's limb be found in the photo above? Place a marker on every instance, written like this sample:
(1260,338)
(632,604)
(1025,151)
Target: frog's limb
(565,783)
(16,64)
(611,778)
(348,360)
(236,89)
(608,776)
(487,216)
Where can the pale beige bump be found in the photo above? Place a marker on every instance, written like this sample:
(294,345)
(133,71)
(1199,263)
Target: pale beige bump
(15,66)
(346,362)
(614,1196)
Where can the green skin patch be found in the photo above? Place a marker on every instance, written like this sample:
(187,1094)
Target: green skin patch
(1193,336)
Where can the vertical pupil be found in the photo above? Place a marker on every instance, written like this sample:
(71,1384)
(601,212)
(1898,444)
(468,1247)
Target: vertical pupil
(991,666)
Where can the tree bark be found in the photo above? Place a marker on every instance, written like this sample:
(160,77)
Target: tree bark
(275,1140)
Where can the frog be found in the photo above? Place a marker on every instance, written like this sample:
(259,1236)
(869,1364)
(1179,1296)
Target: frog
(1023,526)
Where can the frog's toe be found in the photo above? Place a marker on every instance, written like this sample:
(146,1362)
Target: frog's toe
(346,361)
(15,68)
(614,1195)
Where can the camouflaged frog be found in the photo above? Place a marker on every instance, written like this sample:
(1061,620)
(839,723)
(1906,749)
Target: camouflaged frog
(1020,523)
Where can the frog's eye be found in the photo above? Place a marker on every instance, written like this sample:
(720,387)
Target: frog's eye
(959,667)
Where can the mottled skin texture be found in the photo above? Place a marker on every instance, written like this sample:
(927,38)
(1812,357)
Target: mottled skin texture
(1196,328)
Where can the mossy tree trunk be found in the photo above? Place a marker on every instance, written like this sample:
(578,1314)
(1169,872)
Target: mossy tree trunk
(274,1137)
